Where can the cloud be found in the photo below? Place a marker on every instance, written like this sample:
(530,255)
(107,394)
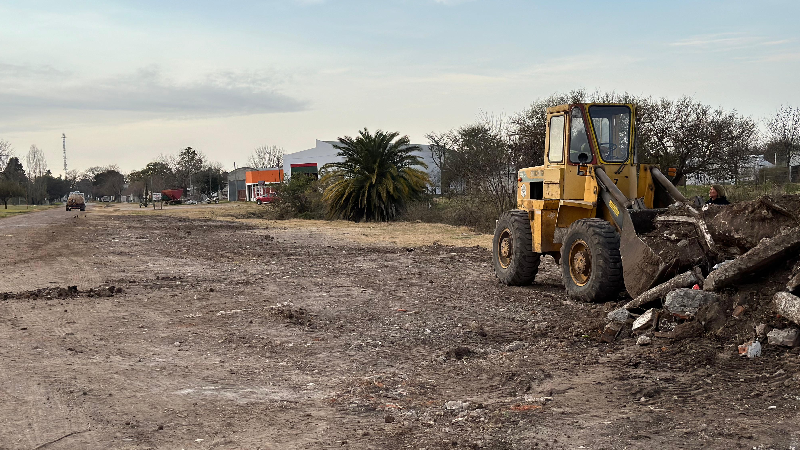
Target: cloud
(148,91)
(13,71)
(726,42)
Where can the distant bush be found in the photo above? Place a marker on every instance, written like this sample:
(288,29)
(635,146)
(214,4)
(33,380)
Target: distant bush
(301,198)
(476,213)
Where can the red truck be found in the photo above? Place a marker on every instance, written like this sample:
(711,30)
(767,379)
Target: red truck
(172,196)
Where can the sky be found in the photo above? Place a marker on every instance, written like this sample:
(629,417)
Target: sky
(128,81)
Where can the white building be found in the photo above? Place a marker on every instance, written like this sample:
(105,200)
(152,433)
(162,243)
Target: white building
(324,152)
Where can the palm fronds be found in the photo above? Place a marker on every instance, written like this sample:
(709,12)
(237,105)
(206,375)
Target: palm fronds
(376,179)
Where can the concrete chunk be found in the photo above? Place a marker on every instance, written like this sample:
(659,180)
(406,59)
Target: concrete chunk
(646,321)
(788,306)
(759,257)
(789,337)
(618,315)
(611,331)
(685,303)
(686,279)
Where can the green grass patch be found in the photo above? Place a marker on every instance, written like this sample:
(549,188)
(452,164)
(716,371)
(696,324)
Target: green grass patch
(15,210)
(743,192)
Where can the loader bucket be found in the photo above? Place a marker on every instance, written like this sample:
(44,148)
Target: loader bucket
(642,268)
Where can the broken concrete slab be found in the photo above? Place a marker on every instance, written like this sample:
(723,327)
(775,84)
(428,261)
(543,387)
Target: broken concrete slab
(611,331)
(646,321)
(686,279)
(759,257)
(788,305)
(619,315)
(788,337)
(685,303)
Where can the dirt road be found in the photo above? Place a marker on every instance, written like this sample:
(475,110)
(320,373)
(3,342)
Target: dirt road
(189,332)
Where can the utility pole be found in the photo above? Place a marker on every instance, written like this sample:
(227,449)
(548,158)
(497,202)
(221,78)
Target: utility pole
(64,147)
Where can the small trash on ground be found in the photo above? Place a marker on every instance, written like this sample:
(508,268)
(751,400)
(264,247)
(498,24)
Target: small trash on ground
(750,349)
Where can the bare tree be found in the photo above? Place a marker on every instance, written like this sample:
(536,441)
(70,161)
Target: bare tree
(266,156)
(784,135)
(37,168)
(696,139)
(72,177)
(6,152)
(37,165)
(477,160)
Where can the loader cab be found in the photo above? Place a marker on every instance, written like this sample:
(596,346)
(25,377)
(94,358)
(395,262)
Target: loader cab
(589,134)
(586,134)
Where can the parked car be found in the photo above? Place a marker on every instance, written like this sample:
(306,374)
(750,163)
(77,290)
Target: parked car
(268,197)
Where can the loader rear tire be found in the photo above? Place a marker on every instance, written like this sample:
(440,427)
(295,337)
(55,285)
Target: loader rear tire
(515,262)
(591,265)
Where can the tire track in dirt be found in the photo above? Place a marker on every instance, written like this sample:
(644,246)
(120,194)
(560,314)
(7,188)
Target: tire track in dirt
(48,248)
(35,406)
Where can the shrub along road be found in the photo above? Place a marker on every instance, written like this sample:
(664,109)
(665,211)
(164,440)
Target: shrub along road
(191,332)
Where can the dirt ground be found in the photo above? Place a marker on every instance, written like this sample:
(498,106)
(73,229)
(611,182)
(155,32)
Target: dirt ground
(189,329)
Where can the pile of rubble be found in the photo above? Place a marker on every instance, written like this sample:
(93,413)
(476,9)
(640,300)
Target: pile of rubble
(733,271)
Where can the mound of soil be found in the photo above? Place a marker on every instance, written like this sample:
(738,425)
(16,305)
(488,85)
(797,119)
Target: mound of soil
(743,225)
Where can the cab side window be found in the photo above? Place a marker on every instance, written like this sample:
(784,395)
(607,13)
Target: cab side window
(555,153)
(579,150)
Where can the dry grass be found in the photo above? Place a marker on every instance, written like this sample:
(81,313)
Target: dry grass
(14,210)
(401,234)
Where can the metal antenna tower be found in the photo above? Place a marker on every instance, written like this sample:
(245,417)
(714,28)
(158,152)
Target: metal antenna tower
(64,146)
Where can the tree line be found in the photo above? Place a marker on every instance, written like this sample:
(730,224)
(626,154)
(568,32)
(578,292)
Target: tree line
(703,143)
(33,183)
(189,170)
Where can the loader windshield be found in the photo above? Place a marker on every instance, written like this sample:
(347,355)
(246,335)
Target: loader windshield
(612,129)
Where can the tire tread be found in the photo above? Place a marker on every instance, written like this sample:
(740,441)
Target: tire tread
(606,280)
(525,262)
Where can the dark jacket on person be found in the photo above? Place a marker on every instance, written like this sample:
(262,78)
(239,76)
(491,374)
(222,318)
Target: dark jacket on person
(718,201)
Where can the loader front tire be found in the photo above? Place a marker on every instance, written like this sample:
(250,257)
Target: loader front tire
(515,262)
(591,266)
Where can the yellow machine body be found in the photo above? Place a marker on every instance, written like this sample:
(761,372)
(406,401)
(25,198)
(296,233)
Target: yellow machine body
(565,189)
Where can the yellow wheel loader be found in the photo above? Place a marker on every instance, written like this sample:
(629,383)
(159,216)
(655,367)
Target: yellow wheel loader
(584,206)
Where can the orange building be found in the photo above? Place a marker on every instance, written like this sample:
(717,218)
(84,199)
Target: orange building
(258,182)
(266,175)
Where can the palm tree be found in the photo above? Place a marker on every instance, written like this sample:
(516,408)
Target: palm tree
(376,179)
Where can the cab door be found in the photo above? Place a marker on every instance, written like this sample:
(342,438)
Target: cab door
(554,160)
